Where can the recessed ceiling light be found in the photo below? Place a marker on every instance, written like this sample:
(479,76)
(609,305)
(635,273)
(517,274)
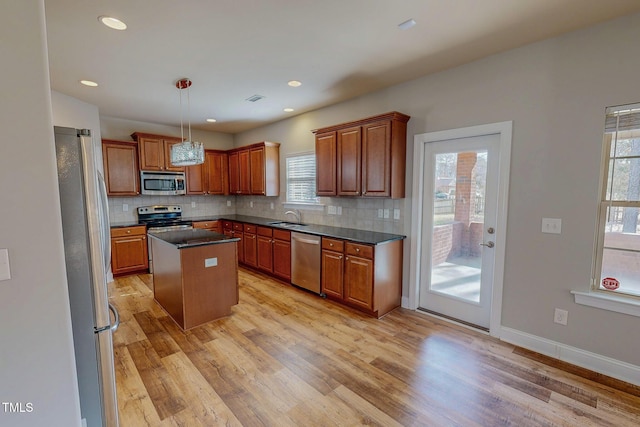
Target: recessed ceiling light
(288,110)
(407,24)
(111,22)
(89,83)
(211,120)
(294,83)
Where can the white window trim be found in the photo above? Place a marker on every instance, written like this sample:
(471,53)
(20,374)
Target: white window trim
(599,299)
(299,205)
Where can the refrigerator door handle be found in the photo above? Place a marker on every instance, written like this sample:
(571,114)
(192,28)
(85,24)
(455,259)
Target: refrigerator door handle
(116,318)
(112,326)
(104,211)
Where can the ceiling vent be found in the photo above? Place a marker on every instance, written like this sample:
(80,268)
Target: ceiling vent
(254,98)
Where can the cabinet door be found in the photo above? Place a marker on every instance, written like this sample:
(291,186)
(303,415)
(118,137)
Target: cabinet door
(196,180)
(265,253)
(256,166)
(349,151)
(376,159)
(129,254)
(244,172)
(167,156)
(326,164)
(151,154)
(121,168)
(358,281)
(250,250)
(282,259)
(239,235)
(216,172)
(332,274)
(234,173)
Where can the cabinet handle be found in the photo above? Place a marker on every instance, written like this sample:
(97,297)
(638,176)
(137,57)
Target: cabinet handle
(128,231)
(330,244)
(357,249)
(346,258)
(340,257)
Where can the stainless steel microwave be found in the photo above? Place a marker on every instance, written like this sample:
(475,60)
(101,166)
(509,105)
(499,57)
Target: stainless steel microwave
(162,183)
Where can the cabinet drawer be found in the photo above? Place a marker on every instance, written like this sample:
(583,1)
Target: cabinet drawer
(205,224)
(128,231)
(265,231)
(364,251)
(237,226)
(333,244)
(281,234)
(227,225)
(249,228)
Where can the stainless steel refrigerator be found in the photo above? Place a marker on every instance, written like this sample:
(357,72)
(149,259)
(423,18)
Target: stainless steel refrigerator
(85,227)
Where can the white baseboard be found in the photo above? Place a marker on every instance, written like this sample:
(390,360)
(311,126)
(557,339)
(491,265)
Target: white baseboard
(585,359)
(405,302)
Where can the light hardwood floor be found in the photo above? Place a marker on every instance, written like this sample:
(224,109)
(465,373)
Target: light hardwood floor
(289,358)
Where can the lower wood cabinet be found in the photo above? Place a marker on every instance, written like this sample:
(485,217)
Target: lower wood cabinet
(250,246)
(282,254)
(366,277)
(214,225)
(129,250)
(235,229)
(265,249)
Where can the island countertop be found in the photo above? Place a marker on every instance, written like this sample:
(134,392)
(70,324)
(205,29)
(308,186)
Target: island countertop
(193,237)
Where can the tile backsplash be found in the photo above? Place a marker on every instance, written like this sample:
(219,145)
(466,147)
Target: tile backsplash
(358,213)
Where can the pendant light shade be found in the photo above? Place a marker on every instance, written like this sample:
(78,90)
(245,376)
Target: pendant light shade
(187,152)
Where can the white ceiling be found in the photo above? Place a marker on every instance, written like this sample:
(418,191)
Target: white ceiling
(233,49)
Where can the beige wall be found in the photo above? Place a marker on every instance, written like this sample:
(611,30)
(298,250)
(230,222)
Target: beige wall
(555,92)
(36,352)
(121,129)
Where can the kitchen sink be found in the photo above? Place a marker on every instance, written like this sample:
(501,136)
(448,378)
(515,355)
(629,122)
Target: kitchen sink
(287,224)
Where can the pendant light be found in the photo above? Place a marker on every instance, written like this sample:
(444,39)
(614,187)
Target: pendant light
(187,152)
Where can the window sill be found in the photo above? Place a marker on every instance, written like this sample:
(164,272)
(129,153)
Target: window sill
(619,304)
(305,206)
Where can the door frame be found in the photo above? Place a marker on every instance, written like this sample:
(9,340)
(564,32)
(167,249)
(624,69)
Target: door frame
(505,131)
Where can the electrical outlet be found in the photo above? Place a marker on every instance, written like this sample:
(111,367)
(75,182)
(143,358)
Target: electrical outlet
(331,210)
(386,213)
(339,210)
(552,225)
(193,204)
(380,213)
(250,204)
(228,202)
(396,214)
(125,207)
(272,205)
(561,316)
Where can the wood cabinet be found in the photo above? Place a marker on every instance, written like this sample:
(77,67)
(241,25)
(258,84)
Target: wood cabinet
(282,254)
(129,250)
(211,177)
(366,277)
(265,249)
(214,225)
(121,174)
(250,246)
(155,152)
(370,157)
(255,169)
(234,229)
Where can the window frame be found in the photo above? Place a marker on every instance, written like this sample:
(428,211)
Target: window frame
(300,203)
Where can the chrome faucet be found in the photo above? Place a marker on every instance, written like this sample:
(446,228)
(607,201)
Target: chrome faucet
(295,213)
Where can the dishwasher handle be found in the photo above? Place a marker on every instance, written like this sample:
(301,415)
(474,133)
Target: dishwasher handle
(311,242)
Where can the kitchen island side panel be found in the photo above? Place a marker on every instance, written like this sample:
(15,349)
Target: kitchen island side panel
(210,282)
(167,279)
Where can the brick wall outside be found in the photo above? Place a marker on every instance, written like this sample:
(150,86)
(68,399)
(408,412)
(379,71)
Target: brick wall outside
(446,242)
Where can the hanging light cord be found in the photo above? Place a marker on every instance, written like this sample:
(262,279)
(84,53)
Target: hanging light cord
(181,123)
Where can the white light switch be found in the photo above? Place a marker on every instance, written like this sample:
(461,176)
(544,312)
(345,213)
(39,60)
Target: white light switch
(331,210)
(125,207)
(396,214)
(193,204)
(228,202)
(5,271)
(271,205)
(250,204)
(210,262)
(386,213)
(552,225)
(380,213)
(339,210)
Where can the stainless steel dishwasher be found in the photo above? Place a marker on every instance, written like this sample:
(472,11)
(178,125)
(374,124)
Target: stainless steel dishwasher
(305,261)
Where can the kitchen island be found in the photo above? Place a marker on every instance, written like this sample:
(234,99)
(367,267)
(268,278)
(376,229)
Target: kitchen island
(195,275)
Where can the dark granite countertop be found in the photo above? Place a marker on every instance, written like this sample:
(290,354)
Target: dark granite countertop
(354,235)
(183,239)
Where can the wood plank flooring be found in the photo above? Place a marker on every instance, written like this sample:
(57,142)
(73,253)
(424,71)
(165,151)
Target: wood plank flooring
(289,358)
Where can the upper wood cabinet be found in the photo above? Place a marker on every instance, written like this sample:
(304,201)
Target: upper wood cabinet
(210,177)
(365,158)
(255,169)
(155,152)
(121,167)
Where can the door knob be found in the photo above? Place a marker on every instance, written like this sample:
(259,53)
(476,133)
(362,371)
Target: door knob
(489,244)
